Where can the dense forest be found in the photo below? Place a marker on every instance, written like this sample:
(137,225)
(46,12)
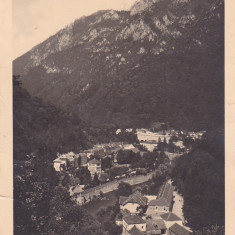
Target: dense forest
(42,128)
(199,176)
(43,206)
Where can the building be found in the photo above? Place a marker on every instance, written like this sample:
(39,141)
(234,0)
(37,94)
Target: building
(133,225)
(176,229)
(170,219)
(164,201)
(94,166)
(155,226)
(64,161)
(119,218)
(132,202)
(60,164)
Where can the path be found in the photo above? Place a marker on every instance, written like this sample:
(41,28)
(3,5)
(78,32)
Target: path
(178,205)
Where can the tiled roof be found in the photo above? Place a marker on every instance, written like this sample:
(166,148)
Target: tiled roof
(94,161)
(157,224)
(179,230)
(166,192)
(122,199)
(159,202)
(136,197)
(170,217)
(125,213)
(135,231)
(134,219)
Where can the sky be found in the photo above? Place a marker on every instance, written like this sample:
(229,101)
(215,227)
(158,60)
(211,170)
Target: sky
(36,20)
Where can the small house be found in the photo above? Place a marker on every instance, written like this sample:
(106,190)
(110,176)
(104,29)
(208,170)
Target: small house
(156,226)
(170,219)
(132,202)
(60,164)
(177,229)
(133,225)
(164,201)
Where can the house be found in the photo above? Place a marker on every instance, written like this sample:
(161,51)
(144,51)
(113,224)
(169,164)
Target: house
(156,226)
(94,166)
(133,225)
(132,202)
(176,229)
(135,231)
(60,164)
(119,218)
(170,219)
(64,161)
(163,203)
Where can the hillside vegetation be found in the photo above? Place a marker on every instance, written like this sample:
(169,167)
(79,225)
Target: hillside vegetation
(199,176)
(43,129)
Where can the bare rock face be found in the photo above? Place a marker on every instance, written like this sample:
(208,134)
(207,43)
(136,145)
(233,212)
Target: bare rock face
(138,30)
(141,5)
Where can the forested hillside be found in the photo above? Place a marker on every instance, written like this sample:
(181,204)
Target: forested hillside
(160,61)
(199,176)
(43,129)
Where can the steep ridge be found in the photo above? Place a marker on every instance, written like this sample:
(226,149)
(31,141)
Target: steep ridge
(160,61)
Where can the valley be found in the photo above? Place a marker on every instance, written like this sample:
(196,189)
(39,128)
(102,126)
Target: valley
(119,124)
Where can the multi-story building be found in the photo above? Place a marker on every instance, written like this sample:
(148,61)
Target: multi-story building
(164,201)
(94,166)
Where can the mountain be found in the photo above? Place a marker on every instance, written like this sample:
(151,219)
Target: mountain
(161,61)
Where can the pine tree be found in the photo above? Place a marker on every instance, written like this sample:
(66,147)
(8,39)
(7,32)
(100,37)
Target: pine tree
(95,181)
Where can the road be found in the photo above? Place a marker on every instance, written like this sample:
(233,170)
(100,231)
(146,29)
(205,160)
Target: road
(113,185)
(178,205)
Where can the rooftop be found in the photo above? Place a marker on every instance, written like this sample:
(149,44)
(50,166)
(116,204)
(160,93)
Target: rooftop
(94,161)
(166,192)
(179,230)
(125,213)
(170,217)
(122,199)
(135,231)
(136,197)
(134,219)
(159,202)
(155,224)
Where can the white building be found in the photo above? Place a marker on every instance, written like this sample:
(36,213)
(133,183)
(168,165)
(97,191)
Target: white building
(60,164)
(94,166)
(133,224)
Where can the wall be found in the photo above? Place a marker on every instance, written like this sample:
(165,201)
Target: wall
(132,207)
(158,209)
(111,186)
